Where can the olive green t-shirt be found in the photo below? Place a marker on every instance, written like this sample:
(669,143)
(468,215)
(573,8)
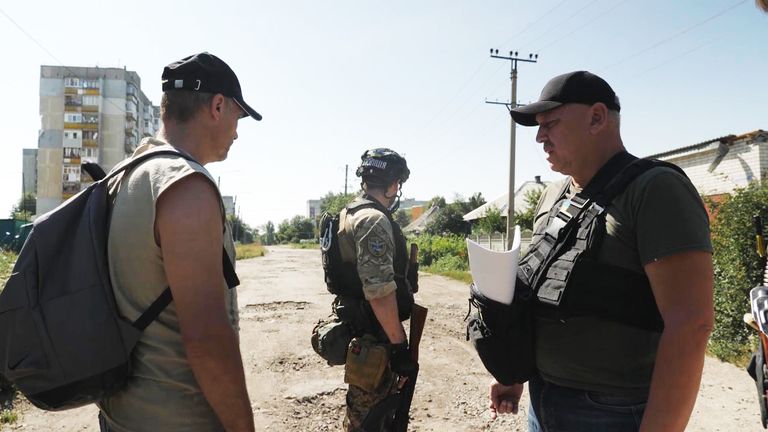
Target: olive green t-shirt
(659,214)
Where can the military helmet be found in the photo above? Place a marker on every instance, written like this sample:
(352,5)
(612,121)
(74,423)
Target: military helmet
(382,166)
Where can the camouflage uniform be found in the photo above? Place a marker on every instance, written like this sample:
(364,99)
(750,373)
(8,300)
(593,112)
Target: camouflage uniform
(366,237)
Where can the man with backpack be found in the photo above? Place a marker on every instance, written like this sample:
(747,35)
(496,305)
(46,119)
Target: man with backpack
(621,270)
(369,272)
(168,229)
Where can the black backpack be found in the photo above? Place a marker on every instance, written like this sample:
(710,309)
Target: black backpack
(62,341)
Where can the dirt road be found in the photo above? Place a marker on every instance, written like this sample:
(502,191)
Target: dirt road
(281,298)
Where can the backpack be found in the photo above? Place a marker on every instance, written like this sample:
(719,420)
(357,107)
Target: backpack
(63,342)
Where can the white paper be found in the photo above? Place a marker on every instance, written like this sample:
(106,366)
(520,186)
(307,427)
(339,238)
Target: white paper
(493,272)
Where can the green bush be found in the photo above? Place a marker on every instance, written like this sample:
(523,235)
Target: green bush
(433,247)
(737,267)
(449,262)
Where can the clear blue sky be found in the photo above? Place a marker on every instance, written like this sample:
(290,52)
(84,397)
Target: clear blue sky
(333,78)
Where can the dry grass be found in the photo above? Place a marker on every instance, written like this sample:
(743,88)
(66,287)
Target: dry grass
(251,250)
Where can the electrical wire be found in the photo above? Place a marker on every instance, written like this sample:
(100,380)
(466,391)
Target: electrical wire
(583,25)
(675,35)
(532,23)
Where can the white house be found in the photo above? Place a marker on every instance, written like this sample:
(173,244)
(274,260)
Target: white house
(719,166)
(502,201)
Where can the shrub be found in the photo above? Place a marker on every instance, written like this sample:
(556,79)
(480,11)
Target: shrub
(432,247)
(738,268)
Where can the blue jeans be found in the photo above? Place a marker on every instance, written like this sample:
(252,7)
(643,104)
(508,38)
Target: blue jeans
(560,409)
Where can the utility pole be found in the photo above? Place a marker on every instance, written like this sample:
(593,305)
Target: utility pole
(346,180)
(513,59)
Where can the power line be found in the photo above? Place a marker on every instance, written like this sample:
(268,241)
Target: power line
(676,35)
(559,25)
(453,98)
(532,23)
(120,109)
(583,25)
(678,57)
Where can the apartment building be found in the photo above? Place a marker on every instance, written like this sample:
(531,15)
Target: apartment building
(88,114)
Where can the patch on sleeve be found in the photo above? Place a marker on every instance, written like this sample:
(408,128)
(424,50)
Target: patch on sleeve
(377,246)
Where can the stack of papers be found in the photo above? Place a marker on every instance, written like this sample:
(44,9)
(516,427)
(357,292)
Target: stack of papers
(493,272)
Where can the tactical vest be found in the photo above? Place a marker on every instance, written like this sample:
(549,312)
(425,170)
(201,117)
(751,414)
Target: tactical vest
(562,267)
(341,277)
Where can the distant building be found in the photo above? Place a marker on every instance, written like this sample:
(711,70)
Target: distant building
(408,203)
(29,171)
(88,114)
(313,208)
(229,205)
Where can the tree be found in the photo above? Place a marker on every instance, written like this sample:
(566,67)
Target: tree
(25,208)
(493,221)
(241,232)
(296,229)
(525,218)
(436,201)
(269,234)
(334,203)
(449,220)
(475,201)
(402,217)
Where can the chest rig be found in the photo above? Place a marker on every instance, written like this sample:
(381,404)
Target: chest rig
(562,266)
(342,278)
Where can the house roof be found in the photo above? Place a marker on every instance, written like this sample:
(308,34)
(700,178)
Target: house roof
(728,139)
(420,224)
(501,202)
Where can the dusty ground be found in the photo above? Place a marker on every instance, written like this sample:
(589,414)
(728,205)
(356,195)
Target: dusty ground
(281,298)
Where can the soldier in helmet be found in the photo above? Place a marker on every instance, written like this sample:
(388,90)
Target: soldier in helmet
(376,292)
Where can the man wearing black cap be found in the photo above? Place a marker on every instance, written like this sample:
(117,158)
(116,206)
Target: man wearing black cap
(621,265)
(168,229)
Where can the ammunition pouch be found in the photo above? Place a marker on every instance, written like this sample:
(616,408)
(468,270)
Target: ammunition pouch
(356,313)
(367,363)
(330,340)
(503,334)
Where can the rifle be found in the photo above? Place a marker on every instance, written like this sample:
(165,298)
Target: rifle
(398,405)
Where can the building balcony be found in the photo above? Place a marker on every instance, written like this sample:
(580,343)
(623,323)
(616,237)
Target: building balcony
(72,108)
(130,115)
(71,90)
(90,143)
(90,108)
(68,125)
(91,91)
(89,126)
(130,132)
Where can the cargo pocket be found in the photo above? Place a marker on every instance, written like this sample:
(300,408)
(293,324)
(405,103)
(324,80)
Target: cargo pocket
(20,342)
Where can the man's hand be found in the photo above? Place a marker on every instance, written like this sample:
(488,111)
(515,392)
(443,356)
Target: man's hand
(504,399)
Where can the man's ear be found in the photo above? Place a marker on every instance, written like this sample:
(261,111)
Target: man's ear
(217,106)
(598,117)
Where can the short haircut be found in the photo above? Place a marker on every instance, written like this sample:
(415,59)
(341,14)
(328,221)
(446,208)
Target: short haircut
(181,105)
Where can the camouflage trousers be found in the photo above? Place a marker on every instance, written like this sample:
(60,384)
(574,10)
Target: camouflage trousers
(359,402)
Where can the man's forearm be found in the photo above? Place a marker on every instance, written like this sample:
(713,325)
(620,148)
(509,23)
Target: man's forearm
(218,367)
(385,309)
(676,378)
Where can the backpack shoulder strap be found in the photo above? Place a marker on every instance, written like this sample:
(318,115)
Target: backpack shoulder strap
(634,170)
(130,163)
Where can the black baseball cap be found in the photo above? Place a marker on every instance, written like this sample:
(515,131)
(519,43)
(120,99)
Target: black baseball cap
(579,87)
(206,73)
